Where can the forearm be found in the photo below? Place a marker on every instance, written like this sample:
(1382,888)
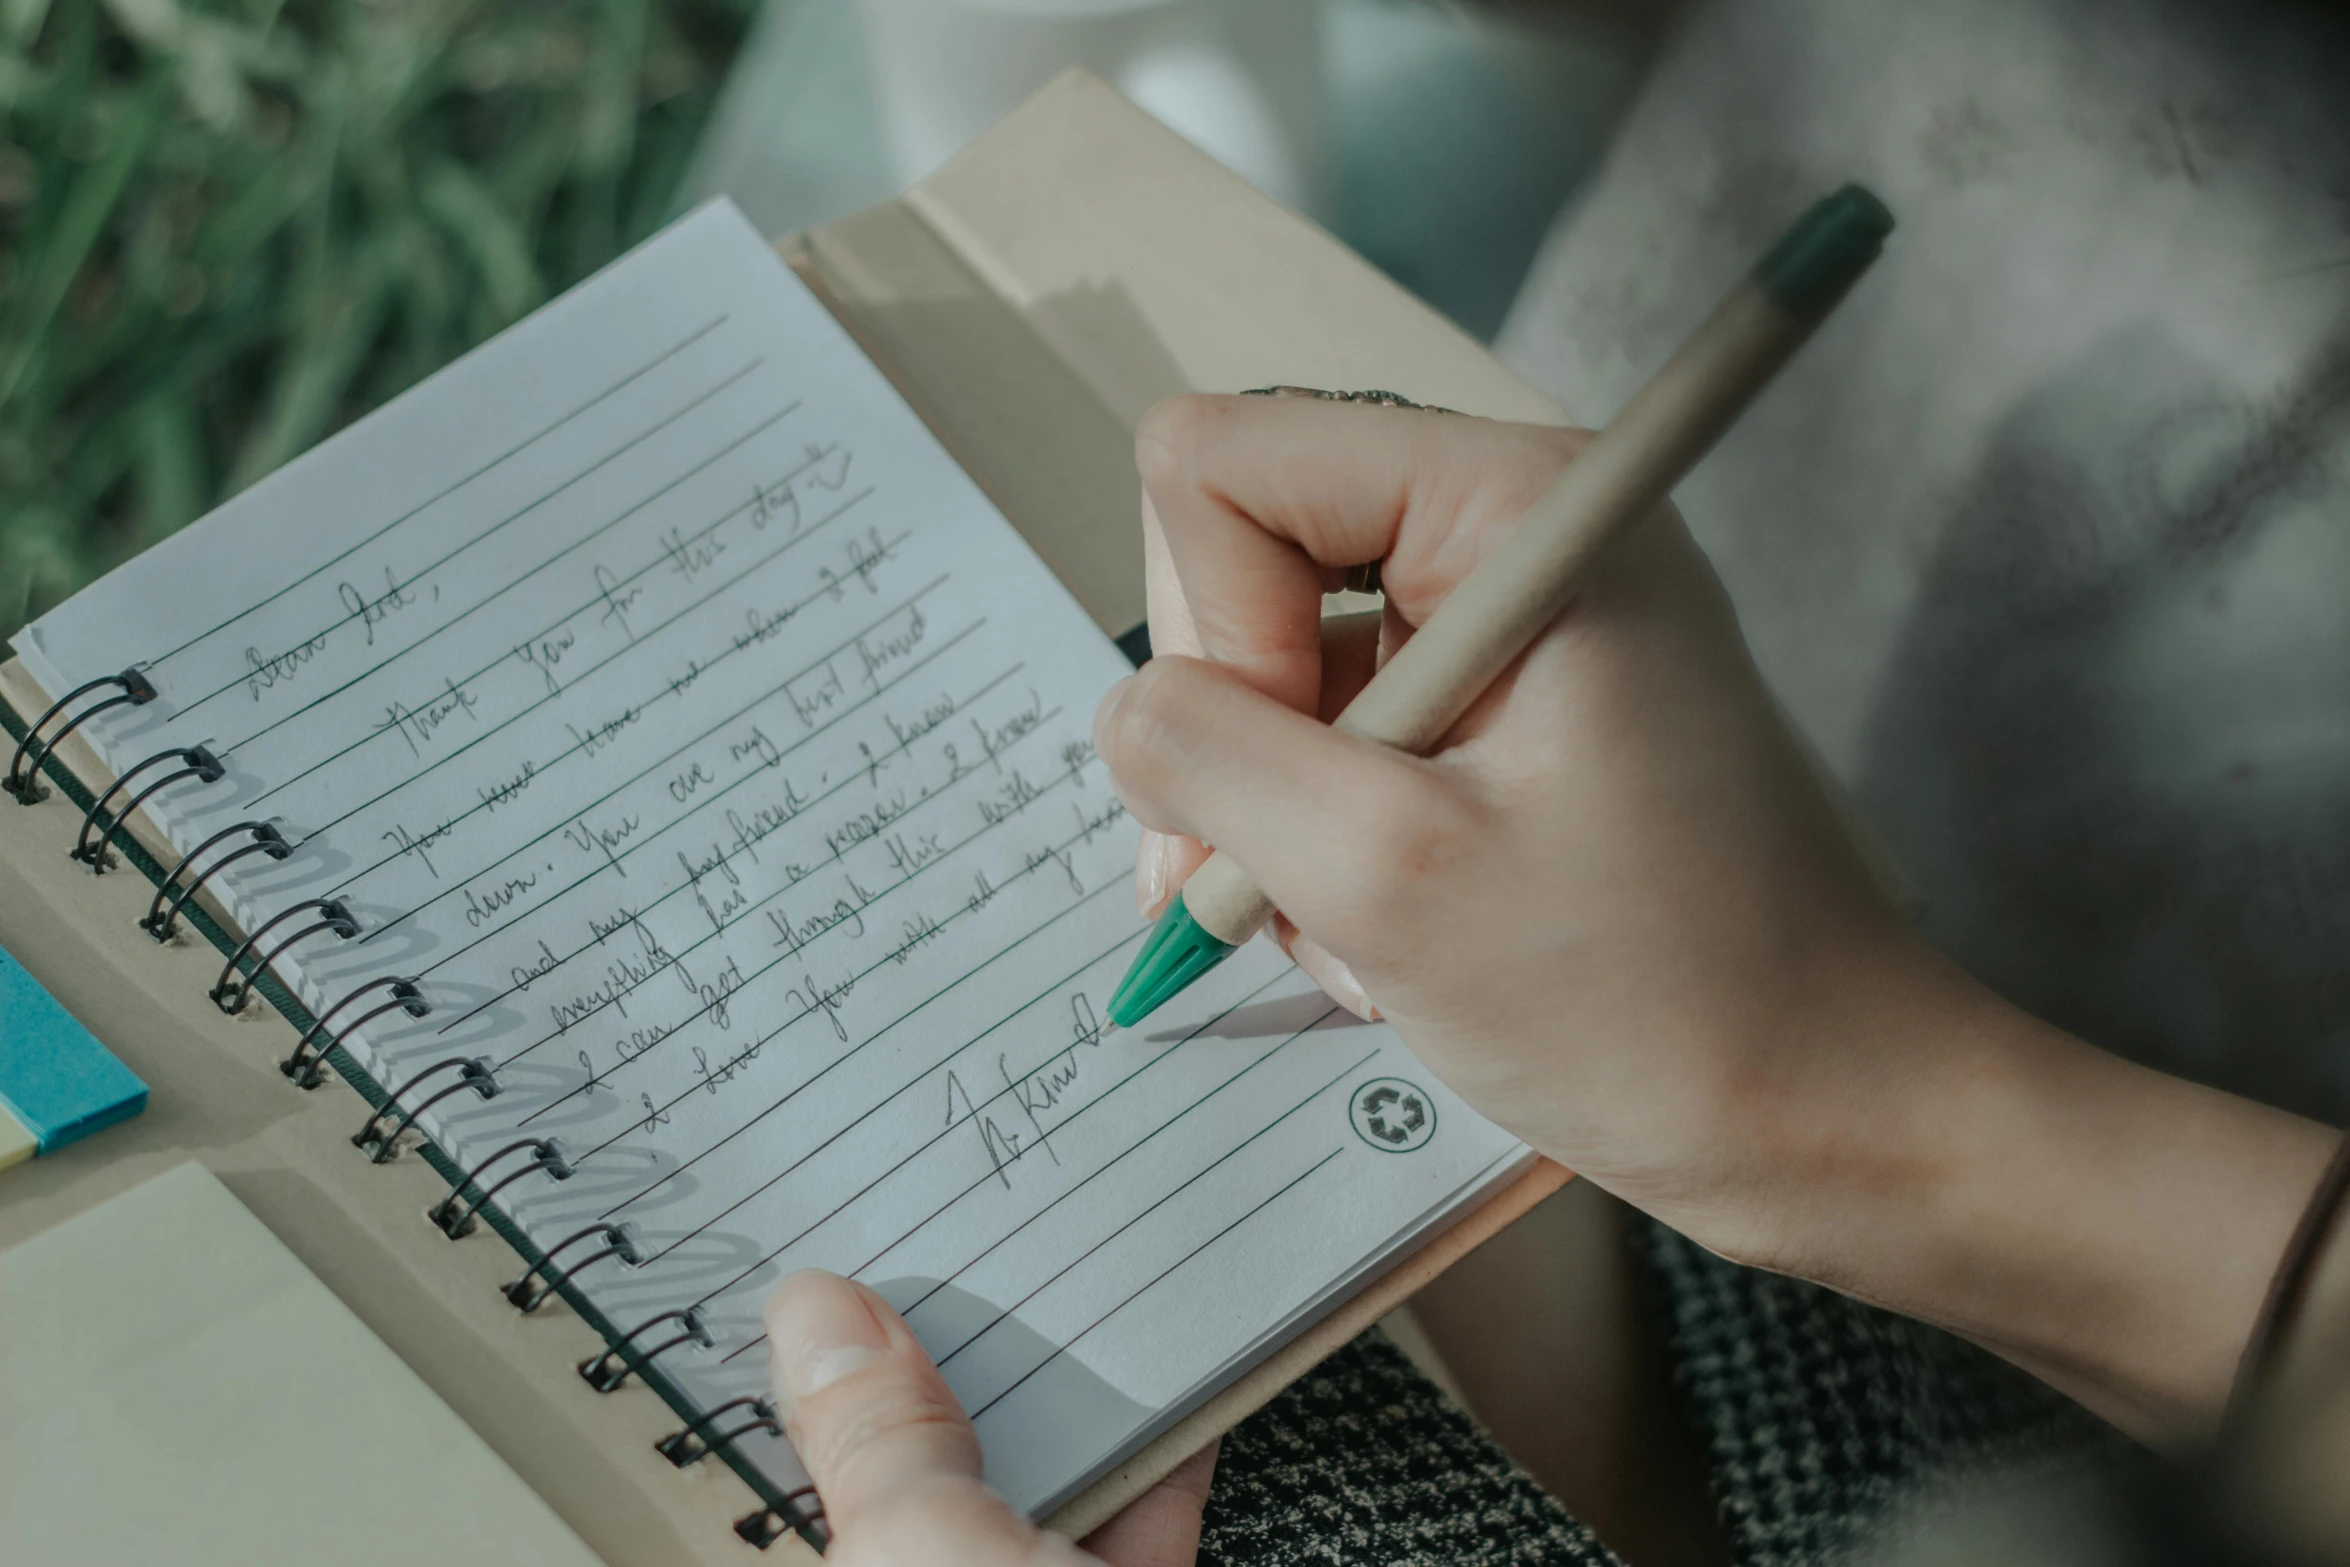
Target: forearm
(2106,1227)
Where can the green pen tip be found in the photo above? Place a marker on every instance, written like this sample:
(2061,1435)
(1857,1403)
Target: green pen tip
(1177,953)
(1829,246)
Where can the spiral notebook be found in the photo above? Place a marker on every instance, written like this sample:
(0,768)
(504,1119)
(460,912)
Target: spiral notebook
(647,766)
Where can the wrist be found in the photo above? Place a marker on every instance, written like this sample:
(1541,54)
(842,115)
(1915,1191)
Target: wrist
(1940,1153)
(1841,1112)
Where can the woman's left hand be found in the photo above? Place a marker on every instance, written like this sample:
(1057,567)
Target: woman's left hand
(897,1463)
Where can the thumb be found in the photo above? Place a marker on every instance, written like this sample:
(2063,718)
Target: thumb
(893,1457)
(1327,823)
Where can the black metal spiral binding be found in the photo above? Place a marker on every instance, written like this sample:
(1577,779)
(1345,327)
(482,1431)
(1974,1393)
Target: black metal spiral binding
(606,1372)
(769,1524)
(197,763)
(232,990)
(617,1243)
(544,1156)
(691,1446)
(306,1065)
(610,1371)
(24,768)
(471,1073)
(163,914)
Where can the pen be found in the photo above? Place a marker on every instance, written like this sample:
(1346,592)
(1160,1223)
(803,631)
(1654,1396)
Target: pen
(1517,591)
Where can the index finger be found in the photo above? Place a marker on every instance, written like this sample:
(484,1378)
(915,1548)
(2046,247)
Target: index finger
(1255,498)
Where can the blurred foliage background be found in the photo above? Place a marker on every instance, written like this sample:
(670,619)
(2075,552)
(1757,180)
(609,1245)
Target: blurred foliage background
(228,227)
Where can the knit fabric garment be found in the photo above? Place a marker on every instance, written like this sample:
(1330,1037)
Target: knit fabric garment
(1826,1422)
(1364,1461)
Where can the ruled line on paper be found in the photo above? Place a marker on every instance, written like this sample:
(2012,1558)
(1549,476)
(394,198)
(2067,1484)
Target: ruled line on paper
(908,1310)
(790,957)
(1113,1162)
(695,470)
(637,846)
(941,1136)
(878,1034)
(976,1111)
(483,536)
(798,948)
(621,853)
(1157,1279)
(511,452)
(458,687)
(880,1176)
(1169,1195)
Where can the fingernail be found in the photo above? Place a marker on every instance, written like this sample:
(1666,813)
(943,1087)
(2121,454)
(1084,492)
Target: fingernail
(1337,980)
(1105,713)
(1154,867)
(819,1329)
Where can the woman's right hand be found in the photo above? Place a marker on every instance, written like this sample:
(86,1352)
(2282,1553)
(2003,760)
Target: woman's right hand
(1613,909)
(1617,914)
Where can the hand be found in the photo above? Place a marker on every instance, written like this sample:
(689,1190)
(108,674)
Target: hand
(1618,915)
(897,1464)
(1613,903)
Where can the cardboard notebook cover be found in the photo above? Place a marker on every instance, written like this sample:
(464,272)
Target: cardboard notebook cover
(1030,300)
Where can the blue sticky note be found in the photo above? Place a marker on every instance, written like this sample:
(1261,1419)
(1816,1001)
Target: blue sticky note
(56,1080)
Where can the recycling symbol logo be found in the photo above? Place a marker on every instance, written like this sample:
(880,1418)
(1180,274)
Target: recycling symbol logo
(1392,1115)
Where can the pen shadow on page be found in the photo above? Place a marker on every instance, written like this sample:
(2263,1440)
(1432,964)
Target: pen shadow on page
(1263,1019)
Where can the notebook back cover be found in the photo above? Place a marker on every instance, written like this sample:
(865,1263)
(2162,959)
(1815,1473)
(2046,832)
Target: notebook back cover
(175,1385)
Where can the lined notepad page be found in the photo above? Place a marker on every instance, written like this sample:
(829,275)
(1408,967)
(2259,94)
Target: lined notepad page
(653,689)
